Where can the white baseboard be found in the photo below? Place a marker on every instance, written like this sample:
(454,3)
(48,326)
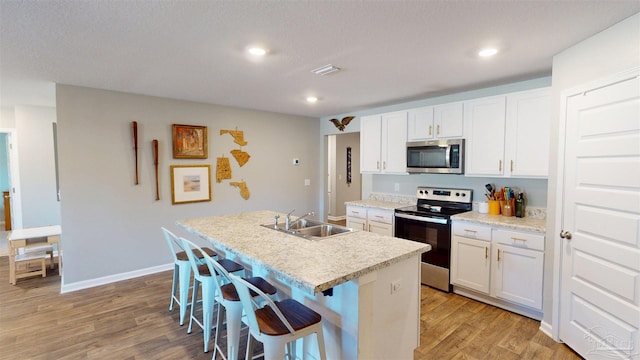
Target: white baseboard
(547,329)
(65,288)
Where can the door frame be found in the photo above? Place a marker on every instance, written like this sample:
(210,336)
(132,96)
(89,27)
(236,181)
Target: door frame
(14,178)
(558,223)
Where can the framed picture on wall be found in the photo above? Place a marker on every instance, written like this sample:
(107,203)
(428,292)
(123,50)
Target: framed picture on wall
(189,141)
(190,183)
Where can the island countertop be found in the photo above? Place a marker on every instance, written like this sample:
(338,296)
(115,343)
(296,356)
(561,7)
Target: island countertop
(310,265)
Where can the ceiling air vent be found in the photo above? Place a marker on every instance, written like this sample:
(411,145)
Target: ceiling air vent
(325,70)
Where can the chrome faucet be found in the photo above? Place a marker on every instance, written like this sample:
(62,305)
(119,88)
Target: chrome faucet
(288,222)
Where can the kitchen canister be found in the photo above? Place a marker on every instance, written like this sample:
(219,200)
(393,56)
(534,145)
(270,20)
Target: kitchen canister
(483,208)
(494,207)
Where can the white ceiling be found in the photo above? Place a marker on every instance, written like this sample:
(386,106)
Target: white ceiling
(390,51)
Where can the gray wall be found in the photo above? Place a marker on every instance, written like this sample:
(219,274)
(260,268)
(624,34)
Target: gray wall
(36,161)
(112,226)
(613,50)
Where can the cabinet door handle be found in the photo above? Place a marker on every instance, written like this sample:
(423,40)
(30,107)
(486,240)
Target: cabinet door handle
(438,130)
(518,239)
(384,165)
(500,166)
(378,165)
(471,231)
(498,255)
(430,129)
(363,227)
(511,165)
(486,252)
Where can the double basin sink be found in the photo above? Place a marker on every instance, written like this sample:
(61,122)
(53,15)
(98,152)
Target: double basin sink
(310,229)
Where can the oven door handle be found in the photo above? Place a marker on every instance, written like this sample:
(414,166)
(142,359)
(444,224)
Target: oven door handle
(422,218)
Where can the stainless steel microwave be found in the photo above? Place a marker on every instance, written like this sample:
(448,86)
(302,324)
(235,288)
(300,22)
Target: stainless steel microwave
(436,156)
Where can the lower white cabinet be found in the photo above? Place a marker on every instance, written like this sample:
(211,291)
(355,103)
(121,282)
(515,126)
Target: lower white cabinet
(498,263)
(379,221)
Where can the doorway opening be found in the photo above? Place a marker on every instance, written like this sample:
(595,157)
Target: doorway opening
(344,182)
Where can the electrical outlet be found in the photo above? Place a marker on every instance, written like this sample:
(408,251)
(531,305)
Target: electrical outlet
(395,286)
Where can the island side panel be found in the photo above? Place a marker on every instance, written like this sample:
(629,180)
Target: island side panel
(366,319)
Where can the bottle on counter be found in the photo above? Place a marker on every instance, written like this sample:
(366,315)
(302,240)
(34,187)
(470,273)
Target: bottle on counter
(520,205)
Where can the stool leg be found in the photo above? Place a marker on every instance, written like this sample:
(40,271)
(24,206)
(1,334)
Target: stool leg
(194,299)
(185,277)
(234,322)
(208,296)
(273,349)
(321,348)
(174,285)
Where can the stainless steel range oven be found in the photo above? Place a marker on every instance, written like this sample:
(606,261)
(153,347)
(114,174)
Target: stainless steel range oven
(429,221)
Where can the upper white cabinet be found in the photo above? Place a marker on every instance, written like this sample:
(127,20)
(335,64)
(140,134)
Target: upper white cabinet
(508,135)
(527,133)
(435,122)
(383,143)
(484,121)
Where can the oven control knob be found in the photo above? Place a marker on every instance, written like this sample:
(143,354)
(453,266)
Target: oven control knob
(463,194)
(457,194)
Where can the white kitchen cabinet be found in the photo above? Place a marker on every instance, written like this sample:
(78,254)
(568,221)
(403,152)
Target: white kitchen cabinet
(383,143)
(471,256)
(501,266)
(527,133)
(357,217)
(508,135)
(484,121)
(518,267)
(380,221)
(370,143)
(435,122)
(375,220)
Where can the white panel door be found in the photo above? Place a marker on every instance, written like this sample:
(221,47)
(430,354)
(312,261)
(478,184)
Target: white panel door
(394,143)
(517,275)
(471,263)
(600,283)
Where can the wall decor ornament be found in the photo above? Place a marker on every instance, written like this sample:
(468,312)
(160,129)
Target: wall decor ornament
(223,169)
(155,164)
(349,166)
(189,142)
(134,134)
(241,156)
(190,183)
(238,136)
(341,124)
(244,190)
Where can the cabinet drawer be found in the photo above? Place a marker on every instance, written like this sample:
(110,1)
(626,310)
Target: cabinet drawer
(519,239)
(357,212)
(472,231)
(381,216)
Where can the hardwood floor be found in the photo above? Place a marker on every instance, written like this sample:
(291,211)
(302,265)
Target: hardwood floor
(130,320)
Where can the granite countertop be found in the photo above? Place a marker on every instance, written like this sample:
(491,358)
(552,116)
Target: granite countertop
(512,222)
(386,205)
(310,265)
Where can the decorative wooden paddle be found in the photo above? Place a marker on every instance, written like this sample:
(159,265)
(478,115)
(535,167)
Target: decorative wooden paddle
(155,163)
(134,128)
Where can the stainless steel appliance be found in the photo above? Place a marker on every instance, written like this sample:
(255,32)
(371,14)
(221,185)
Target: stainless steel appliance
(429,221)
(436,156)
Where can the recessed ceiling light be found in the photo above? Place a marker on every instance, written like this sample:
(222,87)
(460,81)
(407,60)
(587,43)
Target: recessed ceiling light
(257,51)
(312,99)
(487,52)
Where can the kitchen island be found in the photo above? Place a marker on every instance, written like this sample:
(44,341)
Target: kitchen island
(365,286)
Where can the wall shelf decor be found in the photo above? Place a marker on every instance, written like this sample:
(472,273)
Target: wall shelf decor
(189,142)
(154,143)
(190,183)
(349,166)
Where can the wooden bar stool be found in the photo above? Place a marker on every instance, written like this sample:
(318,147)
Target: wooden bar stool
(181,272)
(27,259)
(279,323)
